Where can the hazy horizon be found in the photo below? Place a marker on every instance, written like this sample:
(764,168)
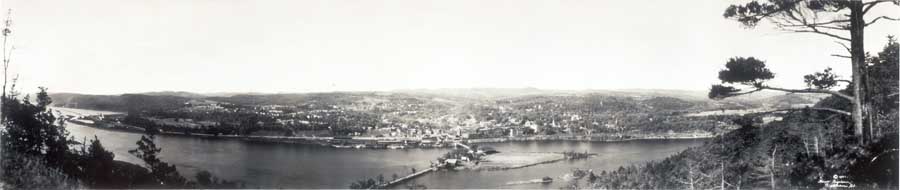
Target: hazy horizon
(467,91)
(391,90)
(114,47)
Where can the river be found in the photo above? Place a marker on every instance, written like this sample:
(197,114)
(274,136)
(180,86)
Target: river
(273,165)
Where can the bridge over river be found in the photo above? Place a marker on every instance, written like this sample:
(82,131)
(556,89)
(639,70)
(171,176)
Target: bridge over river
(417,174)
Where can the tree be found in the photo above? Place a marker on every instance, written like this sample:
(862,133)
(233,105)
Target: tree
(204,178)
(99,165)
(753,72)
(6,57)
(34,144)
(147,151)
(883,83)
(32,128)
(693,174)
(806,16)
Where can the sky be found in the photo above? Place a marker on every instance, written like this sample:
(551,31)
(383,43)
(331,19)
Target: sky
(272,46)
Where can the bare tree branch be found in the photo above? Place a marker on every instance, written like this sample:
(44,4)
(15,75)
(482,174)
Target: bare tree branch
(837,111)
(817,31)
(835,27)
(878,1)
(817,91)
(842,112)
(884,17)
(813,25)
(831,22)
(742,93)
(841,56)
(871,4)
(845,46)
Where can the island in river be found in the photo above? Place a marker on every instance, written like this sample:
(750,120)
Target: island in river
(513,160)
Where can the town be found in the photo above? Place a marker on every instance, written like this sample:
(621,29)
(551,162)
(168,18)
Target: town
(407,120)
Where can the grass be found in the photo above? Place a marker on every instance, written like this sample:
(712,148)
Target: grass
(26,172)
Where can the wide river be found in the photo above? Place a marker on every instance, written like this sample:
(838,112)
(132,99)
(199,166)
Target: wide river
(272,165)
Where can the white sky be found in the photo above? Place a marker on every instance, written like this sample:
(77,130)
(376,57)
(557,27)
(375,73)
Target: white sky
(115,46)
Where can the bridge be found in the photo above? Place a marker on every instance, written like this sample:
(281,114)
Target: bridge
(416,174)
(462,145)
(405,178)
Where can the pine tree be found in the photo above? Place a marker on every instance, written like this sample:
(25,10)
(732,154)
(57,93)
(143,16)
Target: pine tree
(831,18)
(147,151)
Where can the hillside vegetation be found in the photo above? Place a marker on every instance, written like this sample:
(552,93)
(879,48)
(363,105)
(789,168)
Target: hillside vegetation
(807,148)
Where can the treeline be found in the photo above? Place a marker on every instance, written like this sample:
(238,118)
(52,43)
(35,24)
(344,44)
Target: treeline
(246,121)
(39,154)
(122,103)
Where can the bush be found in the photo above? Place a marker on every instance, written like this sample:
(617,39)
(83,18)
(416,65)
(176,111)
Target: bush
(29,172)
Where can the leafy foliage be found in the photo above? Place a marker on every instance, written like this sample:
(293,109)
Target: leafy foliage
(719,91)
(748,71)
(883,76)
(32,129)
(164,172)
(821,80)
(751,13)
(364,184)
(99,165)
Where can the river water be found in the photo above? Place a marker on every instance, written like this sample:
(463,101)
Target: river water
(273,165)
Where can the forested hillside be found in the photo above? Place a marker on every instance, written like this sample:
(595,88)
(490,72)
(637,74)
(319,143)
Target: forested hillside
(808,148)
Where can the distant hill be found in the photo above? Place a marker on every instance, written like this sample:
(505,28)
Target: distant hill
(672,100)
(142,102)
(480,92)
(176,93)
(792,100)
(292,99)
(121,103)
(87,101)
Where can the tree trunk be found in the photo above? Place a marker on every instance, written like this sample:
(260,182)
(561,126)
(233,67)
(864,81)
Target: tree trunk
(816,145)
(772,169)
(722,185)
(857,53)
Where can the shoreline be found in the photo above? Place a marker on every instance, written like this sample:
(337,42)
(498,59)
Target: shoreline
(325,141)
(367,142)
(271,139)
(583,138)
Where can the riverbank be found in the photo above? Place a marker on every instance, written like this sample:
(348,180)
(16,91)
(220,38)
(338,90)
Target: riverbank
(269,139)
(594,138)
(373,142)
(77,116)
